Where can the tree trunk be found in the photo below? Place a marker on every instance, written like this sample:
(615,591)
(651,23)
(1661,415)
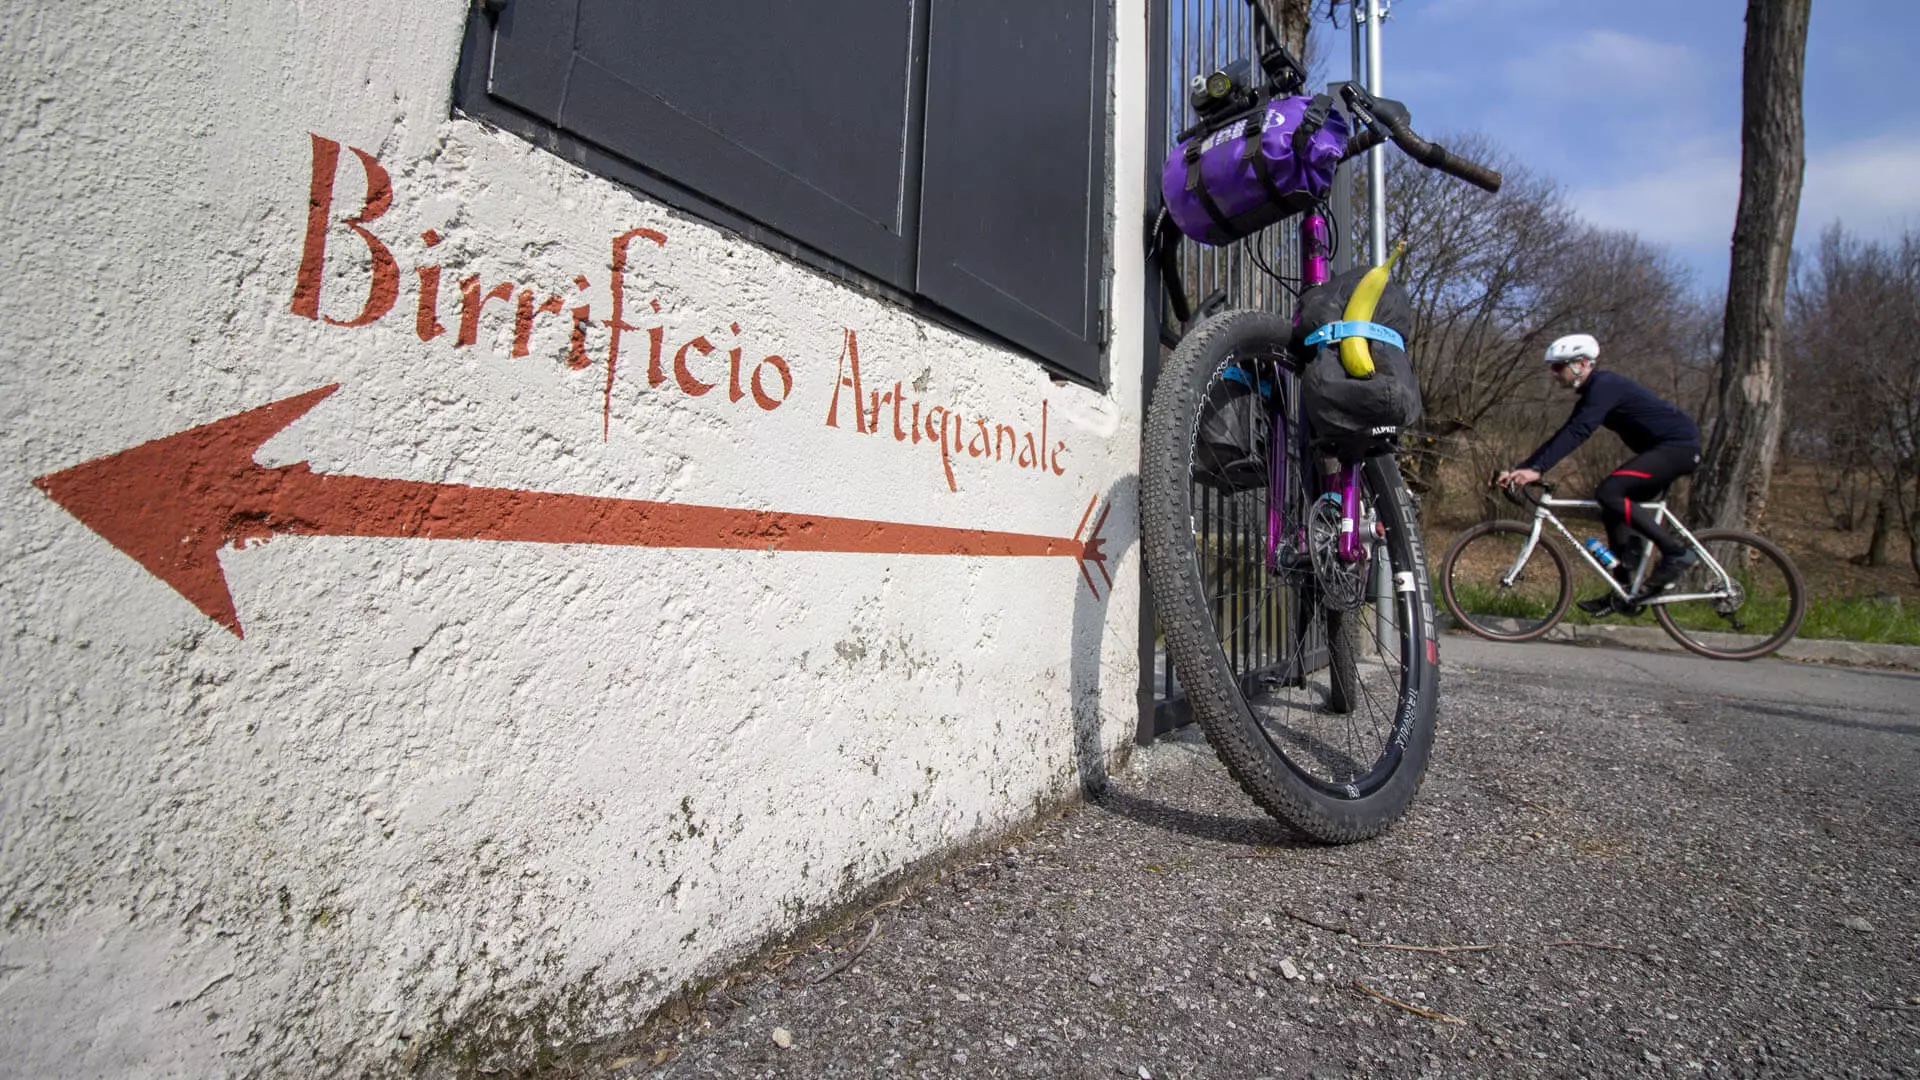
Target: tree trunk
(1295,17)
(1913,542)
(1883,520)
(1731,486)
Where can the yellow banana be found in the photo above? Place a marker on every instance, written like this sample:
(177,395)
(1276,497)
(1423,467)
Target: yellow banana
(1355,356)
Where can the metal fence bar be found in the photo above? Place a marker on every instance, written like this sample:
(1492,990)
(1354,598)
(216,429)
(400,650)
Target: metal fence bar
(1200,36)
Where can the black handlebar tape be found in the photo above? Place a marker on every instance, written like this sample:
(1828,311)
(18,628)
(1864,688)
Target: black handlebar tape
(1471,171)
(1367,139)
(1392,119)
(1435,156)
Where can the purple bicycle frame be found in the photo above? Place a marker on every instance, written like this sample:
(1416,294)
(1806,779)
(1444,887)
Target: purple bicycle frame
(1315,249)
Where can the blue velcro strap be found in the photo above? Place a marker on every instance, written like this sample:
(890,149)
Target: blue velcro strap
(1334,331)
(1239,375)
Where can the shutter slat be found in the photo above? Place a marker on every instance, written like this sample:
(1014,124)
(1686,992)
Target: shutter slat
(1014,189)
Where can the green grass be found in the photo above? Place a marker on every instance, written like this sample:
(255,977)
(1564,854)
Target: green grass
(1858,618)
(1486,600)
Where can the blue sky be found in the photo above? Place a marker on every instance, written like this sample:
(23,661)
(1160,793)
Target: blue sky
(1633,107)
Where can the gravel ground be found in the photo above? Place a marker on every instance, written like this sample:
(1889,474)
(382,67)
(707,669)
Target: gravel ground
(1656,869)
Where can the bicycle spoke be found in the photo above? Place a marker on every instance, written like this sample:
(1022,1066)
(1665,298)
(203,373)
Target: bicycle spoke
(1256,605)
(1375,711)
(1743,600)
(1517,611)
(1339,746)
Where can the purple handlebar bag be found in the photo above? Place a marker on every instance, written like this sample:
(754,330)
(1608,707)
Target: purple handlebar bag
(1238,179)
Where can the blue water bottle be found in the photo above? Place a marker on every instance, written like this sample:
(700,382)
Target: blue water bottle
(1599,550)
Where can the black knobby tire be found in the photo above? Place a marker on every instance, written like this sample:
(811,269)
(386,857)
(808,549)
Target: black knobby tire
(1343,661)
(1470,582)
(1764,615)
(1249,640)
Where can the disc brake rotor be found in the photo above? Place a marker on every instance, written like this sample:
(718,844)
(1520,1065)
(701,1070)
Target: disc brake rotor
(1343,586)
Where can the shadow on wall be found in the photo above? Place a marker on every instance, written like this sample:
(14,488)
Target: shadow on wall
(1121,503)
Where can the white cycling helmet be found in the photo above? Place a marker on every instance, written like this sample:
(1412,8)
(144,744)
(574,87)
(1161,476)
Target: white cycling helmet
(1573,347)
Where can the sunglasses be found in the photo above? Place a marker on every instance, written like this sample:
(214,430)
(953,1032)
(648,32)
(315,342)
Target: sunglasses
(1557,366)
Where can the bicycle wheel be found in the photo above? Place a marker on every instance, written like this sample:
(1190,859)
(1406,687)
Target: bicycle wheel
(1343,661)
(1336,754)
(1472,581)
(1751,611)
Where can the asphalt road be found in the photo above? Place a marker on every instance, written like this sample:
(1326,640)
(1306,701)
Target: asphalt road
(1644,865)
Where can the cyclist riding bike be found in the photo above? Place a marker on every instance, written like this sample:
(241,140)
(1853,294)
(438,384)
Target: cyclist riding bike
(1666,446)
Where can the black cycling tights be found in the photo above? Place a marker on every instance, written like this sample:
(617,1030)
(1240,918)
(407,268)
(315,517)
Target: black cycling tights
(1641,480)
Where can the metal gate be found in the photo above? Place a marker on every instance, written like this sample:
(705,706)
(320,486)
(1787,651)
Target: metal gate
(1194,37)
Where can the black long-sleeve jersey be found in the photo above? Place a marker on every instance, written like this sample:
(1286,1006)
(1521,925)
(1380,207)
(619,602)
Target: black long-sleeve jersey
(1641,418)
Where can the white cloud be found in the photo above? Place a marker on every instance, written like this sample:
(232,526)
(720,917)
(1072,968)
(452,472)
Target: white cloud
(1689,200)
(1870,185)
(1602,66)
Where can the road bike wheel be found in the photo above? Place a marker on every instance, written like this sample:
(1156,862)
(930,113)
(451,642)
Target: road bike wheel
(1762,611)
(1470,580)
(1336,754)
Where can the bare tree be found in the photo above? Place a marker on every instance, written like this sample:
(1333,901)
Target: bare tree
(1476,272)
(1897,388)
(1829,290)
(1294,18)
(1855,375)
(1731,487)
(1493,280)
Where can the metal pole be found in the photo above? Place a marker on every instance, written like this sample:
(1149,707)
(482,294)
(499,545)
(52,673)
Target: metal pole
(1385,632)
(1377,157)
(1345,222)
(1354,18)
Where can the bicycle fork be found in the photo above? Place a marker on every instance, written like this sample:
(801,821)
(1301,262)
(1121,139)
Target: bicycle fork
(1345,482)
(1316,248)
(1353,547)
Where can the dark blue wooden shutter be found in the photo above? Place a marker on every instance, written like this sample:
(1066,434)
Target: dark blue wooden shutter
(1013,200)
(798,115)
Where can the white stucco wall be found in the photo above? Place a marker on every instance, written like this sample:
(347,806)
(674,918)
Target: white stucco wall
(446,792)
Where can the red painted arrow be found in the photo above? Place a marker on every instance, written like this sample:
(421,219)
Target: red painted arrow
(173,503)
